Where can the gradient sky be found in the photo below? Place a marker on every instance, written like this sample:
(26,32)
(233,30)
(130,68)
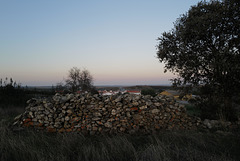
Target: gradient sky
(115,40)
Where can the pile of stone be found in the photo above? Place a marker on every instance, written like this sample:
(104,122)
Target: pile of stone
(96,114)
(216,124)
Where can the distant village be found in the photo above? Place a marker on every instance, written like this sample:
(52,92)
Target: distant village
(167,91)
(120,91)
(173,93)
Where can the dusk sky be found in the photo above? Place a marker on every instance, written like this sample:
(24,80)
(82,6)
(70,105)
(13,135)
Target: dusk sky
(115,40)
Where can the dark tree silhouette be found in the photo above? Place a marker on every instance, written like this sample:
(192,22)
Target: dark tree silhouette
(86,80)
(79,80)
(11,93)
(148,91)
(203,51)
(73,80)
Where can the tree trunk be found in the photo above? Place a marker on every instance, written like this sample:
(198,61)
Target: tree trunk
(226,109)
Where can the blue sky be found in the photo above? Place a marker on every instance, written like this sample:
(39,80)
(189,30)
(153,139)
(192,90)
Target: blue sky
(115,40)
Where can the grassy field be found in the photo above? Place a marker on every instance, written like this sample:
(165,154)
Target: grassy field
(29,145)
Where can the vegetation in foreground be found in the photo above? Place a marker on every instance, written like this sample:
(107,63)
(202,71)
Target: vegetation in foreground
(184,145)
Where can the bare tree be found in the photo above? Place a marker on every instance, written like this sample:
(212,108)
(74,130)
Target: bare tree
(79,80)
(86,80)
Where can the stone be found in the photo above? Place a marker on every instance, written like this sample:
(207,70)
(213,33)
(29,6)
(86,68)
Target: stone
(171,106)
(46,122)
(77,126)
(134,109)
(75,119)
(128,114)
(157,117)
(33,109)
(69,111)
(118,99)
(178,113)
(31,114)
(96,118)
(48,105)
(99,122)
(207,123)
(155,111)
(64,99)
(137,117)
(167,109)
(57,97)
(137,97)
(135,103)
(40,108)
(108,124)
(143,107)
(97,114)
(114,112)
(157,104)
(148,103)
(103,109)
(67,118)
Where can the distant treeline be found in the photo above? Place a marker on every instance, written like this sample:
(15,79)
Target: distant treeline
(13,94)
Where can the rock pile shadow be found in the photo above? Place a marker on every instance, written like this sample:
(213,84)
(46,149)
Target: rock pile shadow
(96,114)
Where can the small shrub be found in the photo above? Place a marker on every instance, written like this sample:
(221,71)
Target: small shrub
(149,91)
(193,110)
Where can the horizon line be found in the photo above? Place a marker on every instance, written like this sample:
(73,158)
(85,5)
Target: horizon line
(117,85)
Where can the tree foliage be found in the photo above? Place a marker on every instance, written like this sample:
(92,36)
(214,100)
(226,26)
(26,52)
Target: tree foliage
(148,91)
(203,51)
(79,80)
